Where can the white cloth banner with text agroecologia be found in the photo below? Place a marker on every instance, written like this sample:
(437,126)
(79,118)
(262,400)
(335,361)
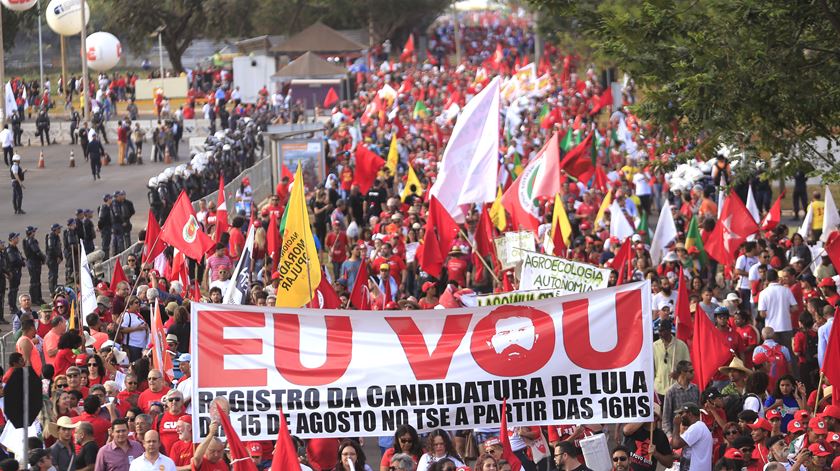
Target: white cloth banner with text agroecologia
(583,358)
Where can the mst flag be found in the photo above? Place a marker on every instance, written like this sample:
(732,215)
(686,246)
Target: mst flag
(87,293)
(153,245)
(300,271)
(241,277)
(161,360)
(181,230)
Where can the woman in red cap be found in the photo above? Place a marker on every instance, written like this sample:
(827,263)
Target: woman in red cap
(430,300)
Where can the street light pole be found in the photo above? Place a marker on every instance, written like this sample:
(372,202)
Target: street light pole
(40,48)
(2,71)
(84,95)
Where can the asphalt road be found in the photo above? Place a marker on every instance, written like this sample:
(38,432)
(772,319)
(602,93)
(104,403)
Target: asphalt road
(52,194)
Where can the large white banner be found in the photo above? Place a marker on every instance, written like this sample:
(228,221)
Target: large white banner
(584,359)
(541,272)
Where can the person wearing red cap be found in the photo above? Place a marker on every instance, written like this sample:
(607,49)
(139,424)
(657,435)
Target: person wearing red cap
(760,430)
(255,451)
(182,450)
(430,299)
(831,416)
(829,290)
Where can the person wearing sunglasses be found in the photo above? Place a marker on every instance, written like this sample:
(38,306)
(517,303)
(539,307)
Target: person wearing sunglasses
(134,329)
(406,442)
(566,457)
(168,423)
(620,458)
(158,390)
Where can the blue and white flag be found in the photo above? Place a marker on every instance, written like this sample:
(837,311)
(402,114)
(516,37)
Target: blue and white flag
(241,277)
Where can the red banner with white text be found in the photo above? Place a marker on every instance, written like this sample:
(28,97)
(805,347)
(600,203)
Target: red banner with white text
(584,358)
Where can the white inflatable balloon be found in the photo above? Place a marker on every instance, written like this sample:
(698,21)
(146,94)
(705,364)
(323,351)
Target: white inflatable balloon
(19,5)
(65,17)
(104,51)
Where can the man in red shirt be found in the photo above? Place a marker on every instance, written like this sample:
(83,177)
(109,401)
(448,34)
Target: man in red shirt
(122,141)
(337,245)
(458,269)
(210,453)
(182,450)
(91,415)
(168,423)
(397,264)
(274,206)
(157,389)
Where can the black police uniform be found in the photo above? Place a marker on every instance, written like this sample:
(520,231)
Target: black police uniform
(34,260)
(71,253)
(105,225)
(52,244)
(16,264)
(4,272)
(90,233)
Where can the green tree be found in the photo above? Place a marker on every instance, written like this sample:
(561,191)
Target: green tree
(761,75)
(15,21)
(183,21)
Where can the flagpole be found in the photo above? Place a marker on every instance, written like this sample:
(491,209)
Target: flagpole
(306,252)
(818,391)
(136,282)
(472,246)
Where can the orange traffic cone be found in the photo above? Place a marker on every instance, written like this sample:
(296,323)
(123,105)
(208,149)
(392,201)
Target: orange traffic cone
(41,163)
(72,159)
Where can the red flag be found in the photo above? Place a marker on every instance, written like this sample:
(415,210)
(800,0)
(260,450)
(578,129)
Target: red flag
(367,166)
(182,231)
(180,270)
(606,99)
(732,229)
(118,275)
(286,173)
(273,241)
(548,181)
(831,360)
(325,297)
(359,295)
(709,350)
(483,242)
(507,285)
(622,259)
(578,162)
(285,455)
(441,231)
(774,217)
(331,98)
(559,244)
(567,65)
(408,51)
(241,459)
(153,244)
(221,212)
(507,451)
(195,294)
(161,360)
(832,248)
(682,313)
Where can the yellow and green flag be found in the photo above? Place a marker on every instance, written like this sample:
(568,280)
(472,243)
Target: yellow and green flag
(693,239)
(420,110)
(412,185)
(299,267)
(602,211)
(560,220)
(497,212)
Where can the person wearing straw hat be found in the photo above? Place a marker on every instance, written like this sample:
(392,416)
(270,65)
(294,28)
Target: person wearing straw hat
(63,451)
(738,374)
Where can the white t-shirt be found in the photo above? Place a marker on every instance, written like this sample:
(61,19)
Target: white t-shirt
(642,183)
(699,449)
(777,301)
(141,463)
(660,300)
(745,263)
(140,338)
(428,459)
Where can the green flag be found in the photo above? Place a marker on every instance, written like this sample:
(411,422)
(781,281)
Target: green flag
(693,239)
(566,144)
(420,110)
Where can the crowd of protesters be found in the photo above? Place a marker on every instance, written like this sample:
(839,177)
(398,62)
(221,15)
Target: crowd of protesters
(767,408)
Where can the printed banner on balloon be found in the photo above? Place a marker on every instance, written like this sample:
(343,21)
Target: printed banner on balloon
(541,271)
(584,359)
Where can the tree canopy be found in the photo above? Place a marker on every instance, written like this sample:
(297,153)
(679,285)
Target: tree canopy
(760,75)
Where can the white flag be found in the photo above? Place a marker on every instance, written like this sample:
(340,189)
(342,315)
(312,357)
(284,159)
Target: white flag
(87,293)
(805,228)
(831,219)
(666,231)
(619,225)
(10,105)
(469,167)
(752,207)
(240,281)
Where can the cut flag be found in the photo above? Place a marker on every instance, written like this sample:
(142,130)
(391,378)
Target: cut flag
(547,182)
(470,159)
(182,231)
(325,296)
(666,231)
(117,276)
(299,268)
(606,99)
(412,185)
(622,260)
(408,50)
(441,231)
(832,248)
(285,455)
(732,229)
(360,294)
(240,278)
(520,201)
(561,228)
(86,291)
(580,161)
(221,212)
(497,212)
(805,228)
(273,240)
(241,459)
(682,312)
(161,359)
(507,451)
(774,217)
(831,218)
(484,246)
(420,110)
(331,98)
(694,241)
(619,225)
(153,245)
(751,206)
(709,350)
(602,211)
(368,164)
(393,156)
(831,360)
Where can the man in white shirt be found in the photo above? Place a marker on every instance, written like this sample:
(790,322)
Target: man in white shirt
(695,441)
(823,333)
(742,268)
(7,139)
(152,460)
(665,297)
(774,305)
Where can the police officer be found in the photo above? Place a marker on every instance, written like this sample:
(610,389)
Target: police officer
(105,223)
(16,129)
(90,232)
(17,173)
(16,264)
(4,273)
(126,209)
(80,226)
(74,126)
(84,139)
(71,252)
(34,260)
(52,243)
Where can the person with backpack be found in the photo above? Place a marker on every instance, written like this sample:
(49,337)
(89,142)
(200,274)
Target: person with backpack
(755,394)
(789,396)
(805,348)
(772,357)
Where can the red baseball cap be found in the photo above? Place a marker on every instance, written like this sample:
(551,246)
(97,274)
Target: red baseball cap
(801,415)
(185,418)
(827,282)
(255,449)
(832,411)
(817,425)
(772,414)
(761,424)
(795,426)
(818,449)
(833,437)
(733,454)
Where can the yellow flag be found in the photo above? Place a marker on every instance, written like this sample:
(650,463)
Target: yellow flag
(603,209)
(72,316)
(393,156)
(497,212)
(561,220)
(299,268)
(411,182)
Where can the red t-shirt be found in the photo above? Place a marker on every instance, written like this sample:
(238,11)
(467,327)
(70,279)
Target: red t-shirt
(100,427)
(397,266)
(338,242)
(147,397)
(322,452)
(181,452)
(220,465)
(65,358)
(166,429)
(456,270)
(235,243)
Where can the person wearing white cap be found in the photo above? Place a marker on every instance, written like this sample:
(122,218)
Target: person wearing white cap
(17,173)
(184,385)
